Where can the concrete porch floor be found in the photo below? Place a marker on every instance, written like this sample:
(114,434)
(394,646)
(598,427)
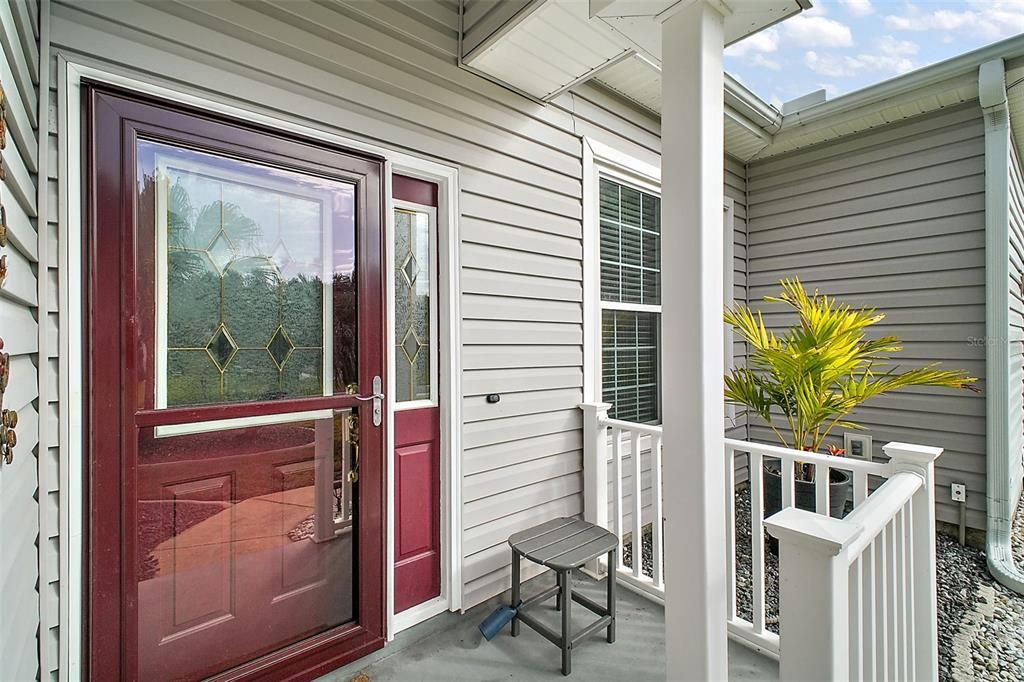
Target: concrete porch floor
(450,647)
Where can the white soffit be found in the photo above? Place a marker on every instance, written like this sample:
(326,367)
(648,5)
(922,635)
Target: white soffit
(639,21)
(551,45)
(555,46)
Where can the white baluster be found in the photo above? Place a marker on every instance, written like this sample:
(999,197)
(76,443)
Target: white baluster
(788,482)
(821,488)
(617,488)
(757,540)
(657,525)
(730,532)
(638,506)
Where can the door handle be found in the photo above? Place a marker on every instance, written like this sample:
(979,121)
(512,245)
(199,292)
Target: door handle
(378,400)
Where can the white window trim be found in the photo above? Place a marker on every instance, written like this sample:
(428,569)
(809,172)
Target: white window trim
(601,160)
(729,294)
(71,129)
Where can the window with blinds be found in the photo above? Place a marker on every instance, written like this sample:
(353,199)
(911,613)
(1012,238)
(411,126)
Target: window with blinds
(630,301)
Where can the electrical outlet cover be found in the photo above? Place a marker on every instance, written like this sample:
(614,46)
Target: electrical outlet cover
(958,491)
(857,445)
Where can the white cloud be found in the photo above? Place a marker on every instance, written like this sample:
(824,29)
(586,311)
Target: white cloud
(800,31)
(892,46)
(989,19)
(847,66)
(811,31)
(858,8)
(761,60)
(763,41)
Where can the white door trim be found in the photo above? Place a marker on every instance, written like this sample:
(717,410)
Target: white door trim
(70,75)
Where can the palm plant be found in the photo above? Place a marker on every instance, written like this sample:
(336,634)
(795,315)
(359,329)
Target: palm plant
(816,372)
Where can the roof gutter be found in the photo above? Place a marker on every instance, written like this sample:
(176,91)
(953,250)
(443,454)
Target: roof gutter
(962,65)
(1000,488)
(760,113)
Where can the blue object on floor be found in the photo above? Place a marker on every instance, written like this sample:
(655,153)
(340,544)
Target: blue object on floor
(498,619)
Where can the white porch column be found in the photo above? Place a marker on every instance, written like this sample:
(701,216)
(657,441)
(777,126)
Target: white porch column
(692,358)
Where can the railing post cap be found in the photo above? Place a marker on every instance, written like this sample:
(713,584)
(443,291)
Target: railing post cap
(910,453)
(595,407)
(818,532)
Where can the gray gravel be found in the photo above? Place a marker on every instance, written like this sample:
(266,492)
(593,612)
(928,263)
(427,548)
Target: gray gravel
(981,623)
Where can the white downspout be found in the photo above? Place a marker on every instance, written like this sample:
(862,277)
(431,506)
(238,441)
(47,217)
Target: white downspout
(999,511)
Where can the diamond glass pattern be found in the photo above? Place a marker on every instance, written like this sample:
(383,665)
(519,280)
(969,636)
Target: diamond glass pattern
(411,346)
(280,347)
(410,269)
(260,269)
(221,252)
(413,305)
(221,348)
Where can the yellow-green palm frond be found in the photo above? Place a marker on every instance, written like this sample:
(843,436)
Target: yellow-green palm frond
(820,369)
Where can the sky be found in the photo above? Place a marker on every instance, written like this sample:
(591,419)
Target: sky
(845,45)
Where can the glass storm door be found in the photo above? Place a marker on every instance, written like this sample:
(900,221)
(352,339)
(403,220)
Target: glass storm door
(236,410)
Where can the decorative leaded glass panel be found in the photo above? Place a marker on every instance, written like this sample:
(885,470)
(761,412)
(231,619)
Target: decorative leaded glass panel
(414,283)
(255,279)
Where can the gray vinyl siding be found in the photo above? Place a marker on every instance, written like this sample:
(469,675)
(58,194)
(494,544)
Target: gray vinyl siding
(894,219)
(483,17)
(19,480)
(1016,336)
(386,73)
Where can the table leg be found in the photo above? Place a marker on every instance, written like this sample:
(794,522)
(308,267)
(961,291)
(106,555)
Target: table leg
(515,591)
(612,558)
(565,580)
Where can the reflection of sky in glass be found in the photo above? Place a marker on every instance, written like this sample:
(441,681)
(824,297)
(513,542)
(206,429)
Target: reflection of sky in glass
(287,208)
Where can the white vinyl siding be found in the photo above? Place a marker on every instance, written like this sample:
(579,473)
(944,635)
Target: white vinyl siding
(20,536)
(1016,332)
(892,218)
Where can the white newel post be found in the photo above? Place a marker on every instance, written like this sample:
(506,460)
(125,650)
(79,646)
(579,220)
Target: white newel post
(814,641)
(692,362)
(595,467)
(920,460)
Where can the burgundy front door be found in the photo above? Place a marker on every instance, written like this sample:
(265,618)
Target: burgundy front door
(417,463)
(235,448)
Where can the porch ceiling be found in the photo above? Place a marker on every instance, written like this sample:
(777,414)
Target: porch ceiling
(547,46)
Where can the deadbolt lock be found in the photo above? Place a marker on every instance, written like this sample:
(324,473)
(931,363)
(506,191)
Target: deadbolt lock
(3,269)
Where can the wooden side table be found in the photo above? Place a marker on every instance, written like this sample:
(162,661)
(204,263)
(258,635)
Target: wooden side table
(562,545)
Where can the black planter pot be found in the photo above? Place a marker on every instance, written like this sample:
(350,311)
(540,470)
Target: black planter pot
(839,491)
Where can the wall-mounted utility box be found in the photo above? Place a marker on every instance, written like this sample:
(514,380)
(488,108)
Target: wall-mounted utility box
(857,445)
(958,491)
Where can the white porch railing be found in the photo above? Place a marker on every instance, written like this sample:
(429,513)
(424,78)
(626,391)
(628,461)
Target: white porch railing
(856,595)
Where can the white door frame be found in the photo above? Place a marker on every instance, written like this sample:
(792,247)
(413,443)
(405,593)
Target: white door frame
(71,72)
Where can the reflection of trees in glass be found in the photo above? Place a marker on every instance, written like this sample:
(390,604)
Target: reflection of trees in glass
(237,329)
(346,333)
